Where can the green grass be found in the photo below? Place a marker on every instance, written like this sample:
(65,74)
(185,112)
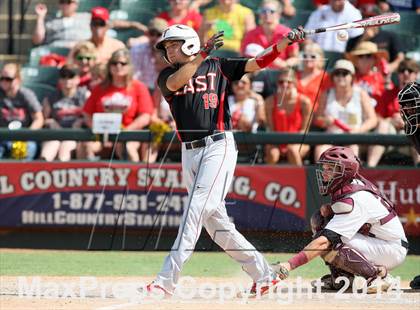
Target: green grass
(205,264)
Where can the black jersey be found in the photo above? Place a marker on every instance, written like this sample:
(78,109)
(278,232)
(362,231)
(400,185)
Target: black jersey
(200,107)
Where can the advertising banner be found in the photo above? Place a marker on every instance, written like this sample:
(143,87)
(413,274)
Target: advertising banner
(402,187)
(138,196)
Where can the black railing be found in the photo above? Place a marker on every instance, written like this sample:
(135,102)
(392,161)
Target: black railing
(312,138)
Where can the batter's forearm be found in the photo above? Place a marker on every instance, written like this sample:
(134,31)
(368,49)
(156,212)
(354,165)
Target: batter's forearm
(267,56)
(184,74)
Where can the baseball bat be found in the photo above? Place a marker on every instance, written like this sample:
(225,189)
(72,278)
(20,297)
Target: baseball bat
(374,21)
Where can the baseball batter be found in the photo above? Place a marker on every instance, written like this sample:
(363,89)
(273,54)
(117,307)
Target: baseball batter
(195,87)
(359,234)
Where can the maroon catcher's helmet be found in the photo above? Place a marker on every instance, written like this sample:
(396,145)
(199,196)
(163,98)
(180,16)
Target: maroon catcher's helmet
(337,167)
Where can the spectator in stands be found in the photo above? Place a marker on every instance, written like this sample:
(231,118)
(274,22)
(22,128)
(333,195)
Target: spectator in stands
(63,109)
(230,16)
(182,13)
(367,60)
(385,40)
(85,59)
(269,32)
(98,75)
(105,45)
(336,12)
(120,93)
(387,110)
(345,107)
(142,54)
(19,108)
(287,111)
(65,30)
(246,107)
(312,80)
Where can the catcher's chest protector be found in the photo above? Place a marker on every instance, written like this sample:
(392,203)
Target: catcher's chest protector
(369,187)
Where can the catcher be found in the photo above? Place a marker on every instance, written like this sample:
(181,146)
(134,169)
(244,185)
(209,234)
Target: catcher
(409,101)
(359,234)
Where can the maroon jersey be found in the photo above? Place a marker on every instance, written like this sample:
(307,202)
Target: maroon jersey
(199,108)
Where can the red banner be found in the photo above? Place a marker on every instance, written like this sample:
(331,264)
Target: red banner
(402,187)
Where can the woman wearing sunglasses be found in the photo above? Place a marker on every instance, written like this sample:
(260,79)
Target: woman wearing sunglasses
(287,111)
(312,80)
(85,58)
(345,107)
(120,93)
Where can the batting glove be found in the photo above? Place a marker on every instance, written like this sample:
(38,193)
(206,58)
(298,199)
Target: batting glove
(215,42)
(296,35)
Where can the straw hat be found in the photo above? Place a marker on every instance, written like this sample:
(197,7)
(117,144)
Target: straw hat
(367,48)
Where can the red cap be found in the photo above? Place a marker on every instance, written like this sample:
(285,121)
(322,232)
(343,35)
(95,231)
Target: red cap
(100,13)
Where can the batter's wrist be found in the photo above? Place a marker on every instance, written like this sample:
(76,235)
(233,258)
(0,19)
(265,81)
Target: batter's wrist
(203,54)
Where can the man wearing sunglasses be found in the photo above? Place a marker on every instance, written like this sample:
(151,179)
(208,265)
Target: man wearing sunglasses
(65,30)
(19,108)
(105,45)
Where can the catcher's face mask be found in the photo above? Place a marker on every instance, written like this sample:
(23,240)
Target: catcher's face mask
(409,100)
(328,174)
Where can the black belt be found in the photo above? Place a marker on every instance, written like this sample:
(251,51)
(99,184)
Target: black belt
(202,142)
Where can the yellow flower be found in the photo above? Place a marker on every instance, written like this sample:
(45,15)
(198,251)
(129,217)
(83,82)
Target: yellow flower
(19,150)
(158,130)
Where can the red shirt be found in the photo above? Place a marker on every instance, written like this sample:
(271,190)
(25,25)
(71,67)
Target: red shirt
(314,88)
(257,36)
(388,105)
(284,122)
(130,101)
(193,19)
(372,83)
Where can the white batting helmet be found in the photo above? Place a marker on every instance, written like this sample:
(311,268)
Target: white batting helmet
(191,44)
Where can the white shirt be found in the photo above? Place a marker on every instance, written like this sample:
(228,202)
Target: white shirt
(351,114)
(325,17)
(367,209)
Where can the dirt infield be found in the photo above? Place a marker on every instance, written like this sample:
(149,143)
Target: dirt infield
(113,293)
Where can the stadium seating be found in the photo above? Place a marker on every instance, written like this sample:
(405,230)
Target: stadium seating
(40,90)
(142,16)
(136,5)
(87,5)
(299,19)
(37,52)
(303,5)
(331,58)
(225,53)
(40,75)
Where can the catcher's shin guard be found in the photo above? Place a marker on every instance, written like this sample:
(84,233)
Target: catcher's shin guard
(351,261)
